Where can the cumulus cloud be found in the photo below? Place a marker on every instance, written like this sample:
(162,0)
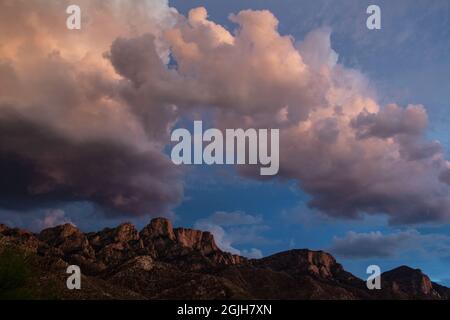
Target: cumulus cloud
(66,132)
(235,228)
(95,127)
(352,155)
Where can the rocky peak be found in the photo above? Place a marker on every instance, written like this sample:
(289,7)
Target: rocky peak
(67,238)
(124,233)
(20,237)
(197,240)
(303,261)
(408,280)
(158,228)
(161,240)
(57,235)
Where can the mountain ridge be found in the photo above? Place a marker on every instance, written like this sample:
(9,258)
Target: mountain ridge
(162,262)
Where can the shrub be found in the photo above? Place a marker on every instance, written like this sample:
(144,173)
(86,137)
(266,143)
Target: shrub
(16,274)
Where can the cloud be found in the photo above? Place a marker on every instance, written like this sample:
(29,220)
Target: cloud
(66,133)
(42,166)
(95,127)
(375,244)
(222,239)
(391,121)
(54,218)
(372,244)
(235,228)
(352,155)
(253,253)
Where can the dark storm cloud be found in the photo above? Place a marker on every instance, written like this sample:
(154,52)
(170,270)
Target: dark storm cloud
(42,167)
(67,131)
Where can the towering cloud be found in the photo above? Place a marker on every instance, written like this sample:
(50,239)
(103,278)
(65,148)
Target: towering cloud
(86,115)
(351,154)
(66,132)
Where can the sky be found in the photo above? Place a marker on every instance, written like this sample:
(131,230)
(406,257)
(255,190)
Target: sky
(85,117)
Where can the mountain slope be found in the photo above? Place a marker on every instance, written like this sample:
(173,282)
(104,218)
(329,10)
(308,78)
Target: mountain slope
(162,262)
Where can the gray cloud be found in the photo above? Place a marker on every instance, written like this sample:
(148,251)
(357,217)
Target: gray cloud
(42,167)
(391,121)
(356,245)
(373,244)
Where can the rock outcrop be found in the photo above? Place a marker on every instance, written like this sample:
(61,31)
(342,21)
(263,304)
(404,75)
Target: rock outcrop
(405,282)
(315,263)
